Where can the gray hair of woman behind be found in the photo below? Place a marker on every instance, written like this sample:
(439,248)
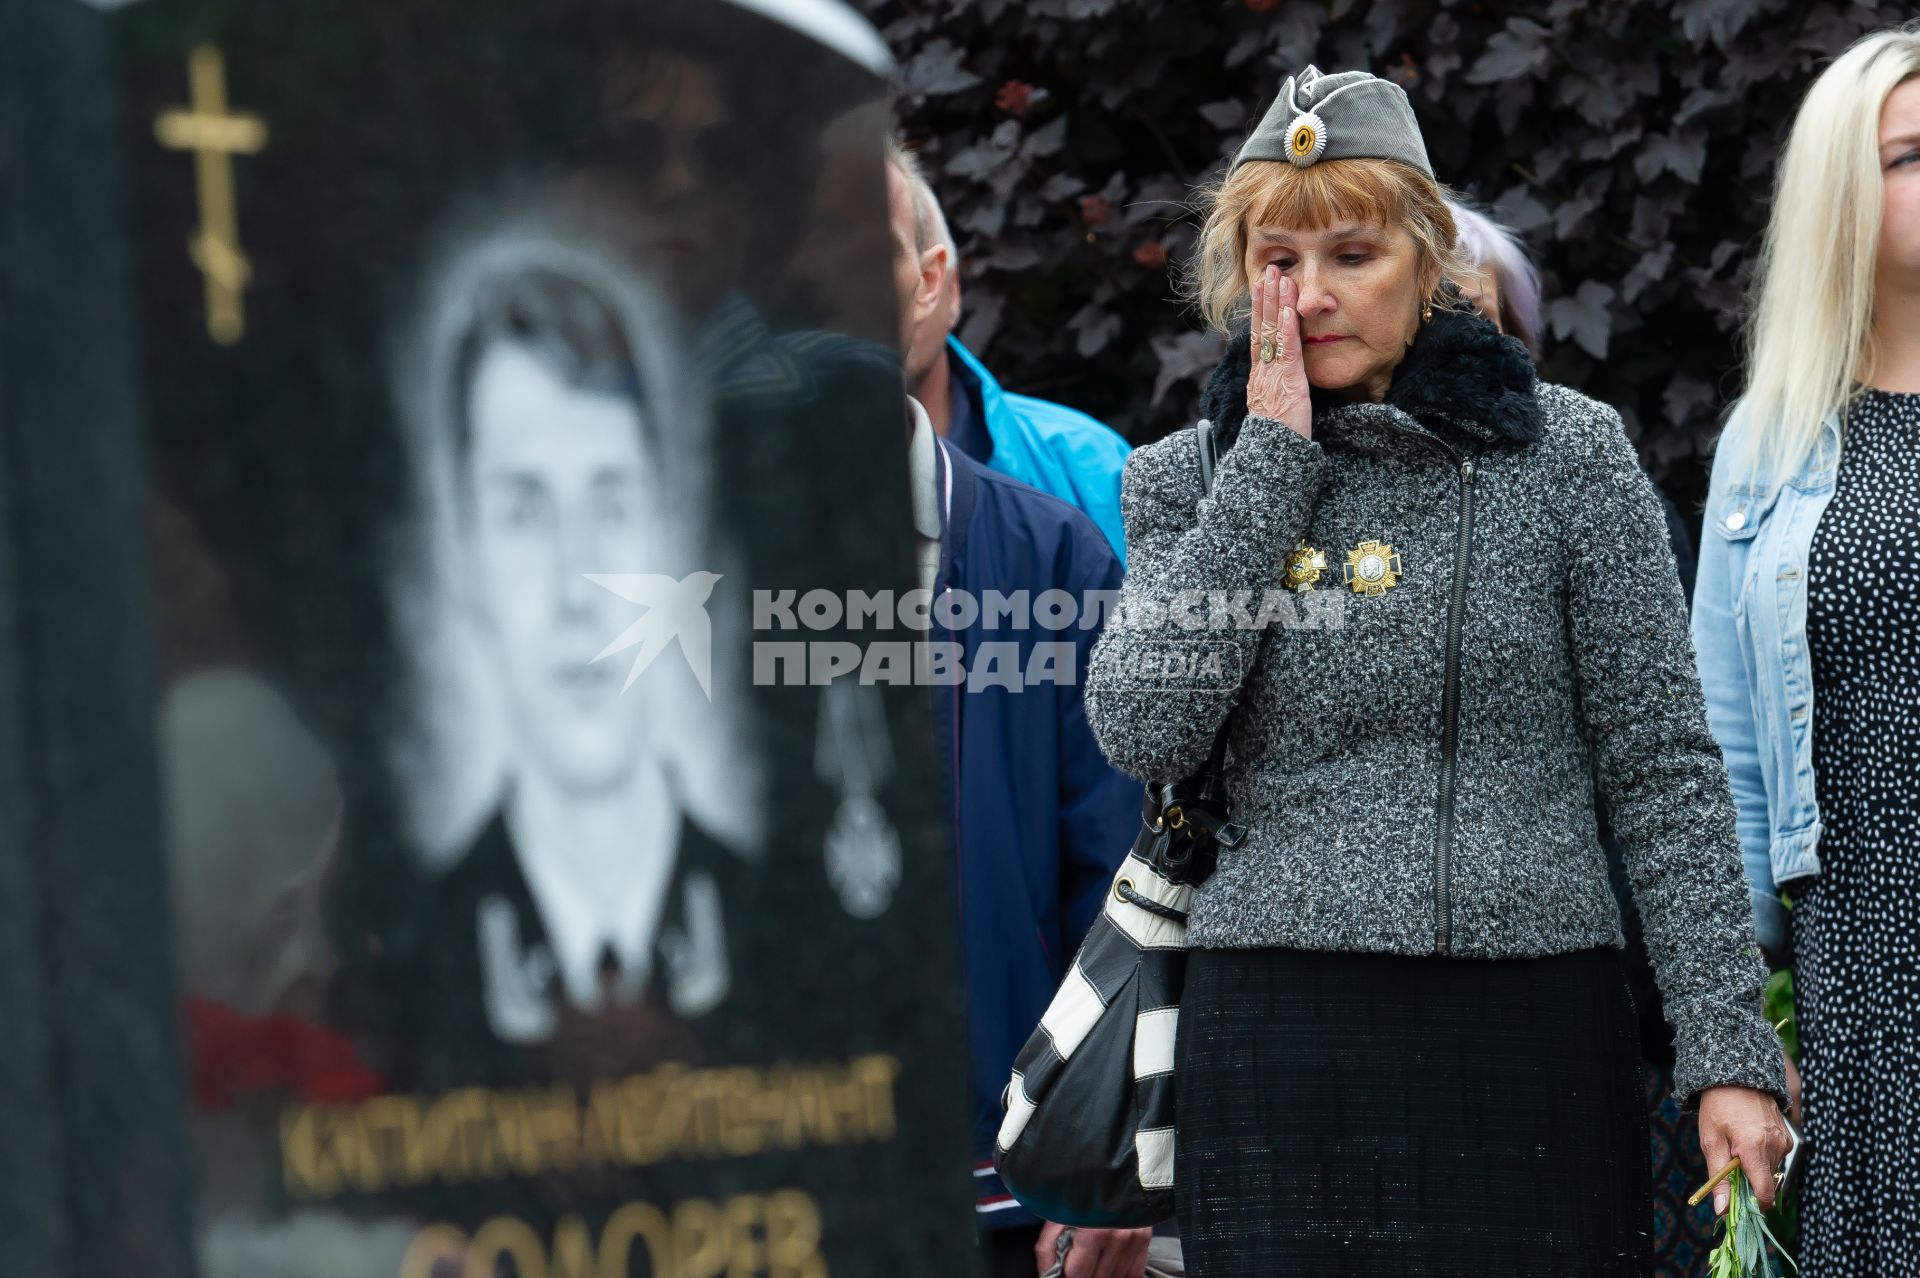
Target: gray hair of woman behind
(1498,252)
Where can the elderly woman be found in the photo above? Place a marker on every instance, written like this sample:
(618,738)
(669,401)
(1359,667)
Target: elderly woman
(1405,1044)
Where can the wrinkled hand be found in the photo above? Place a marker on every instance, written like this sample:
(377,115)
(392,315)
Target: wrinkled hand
(1278,388)
(1793,1091)
(1095,1253)
(1739,1121)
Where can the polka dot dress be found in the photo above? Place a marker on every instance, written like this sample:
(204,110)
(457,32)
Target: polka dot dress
(1856,927)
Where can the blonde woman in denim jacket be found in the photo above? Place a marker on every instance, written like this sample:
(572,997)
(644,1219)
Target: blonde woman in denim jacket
(1807,626)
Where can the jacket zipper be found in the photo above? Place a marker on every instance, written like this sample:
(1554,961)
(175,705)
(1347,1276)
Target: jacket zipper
(1449,703)
(1450,725)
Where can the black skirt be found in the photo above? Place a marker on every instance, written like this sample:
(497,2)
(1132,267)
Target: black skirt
(1374,1114)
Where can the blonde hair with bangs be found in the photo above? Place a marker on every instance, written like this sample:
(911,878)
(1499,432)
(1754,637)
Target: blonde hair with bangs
(1810,333)
(1384,193)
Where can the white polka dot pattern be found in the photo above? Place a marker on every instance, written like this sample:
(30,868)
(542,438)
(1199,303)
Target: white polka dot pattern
(1856,928)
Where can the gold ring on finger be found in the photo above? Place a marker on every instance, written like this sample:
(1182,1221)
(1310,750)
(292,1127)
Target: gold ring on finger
(1266,352)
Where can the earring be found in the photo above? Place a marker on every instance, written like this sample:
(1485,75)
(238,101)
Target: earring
(1426,315)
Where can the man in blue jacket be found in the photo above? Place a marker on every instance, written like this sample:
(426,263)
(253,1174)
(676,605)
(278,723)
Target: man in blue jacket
(1040,819)
(1057,449)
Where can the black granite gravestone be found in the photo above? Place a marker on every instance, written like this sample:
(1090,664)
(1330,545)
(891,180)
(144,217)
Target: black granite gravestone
(414,863)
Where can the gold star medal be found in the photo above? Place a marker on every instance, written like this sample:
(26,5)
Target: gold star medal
(1373,568)
(1304,567)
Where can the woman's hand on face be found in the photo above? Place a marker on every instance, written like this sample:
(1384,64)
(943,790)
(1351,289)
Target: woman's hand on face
(1277,387)
(1744,1122)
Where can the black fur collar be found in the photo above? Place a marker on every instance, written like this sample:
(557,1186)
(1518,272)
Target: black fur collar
(1461,379)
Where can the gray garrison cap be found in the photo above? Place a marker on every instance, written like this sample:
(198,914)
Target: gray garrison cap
(1348,116)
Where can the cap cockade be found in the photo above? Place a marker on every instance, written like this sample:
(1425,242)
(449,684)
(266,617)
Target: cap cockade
(1306,138)
(1347,116)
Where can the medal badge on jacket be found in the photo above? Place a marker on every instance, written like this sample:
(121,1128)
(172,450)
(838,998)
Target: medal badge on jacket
(1305,566)
(1372,568)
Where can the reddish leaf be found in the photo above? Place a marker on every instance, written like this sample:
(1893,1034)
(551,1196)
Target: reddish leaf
(1152,255)
(1014,97)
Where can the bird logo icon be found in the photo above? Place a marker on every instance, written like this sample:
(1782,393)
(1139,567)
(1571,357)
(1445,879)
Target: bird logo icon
(675,610)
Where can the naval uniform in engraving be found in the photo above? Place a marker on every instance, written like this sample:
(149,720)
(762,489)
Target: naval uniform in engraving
(496,1010)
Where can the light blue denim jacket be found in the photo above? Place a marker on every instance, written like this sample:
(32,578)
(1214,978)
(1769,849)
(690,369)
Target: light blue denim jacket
(1750,634)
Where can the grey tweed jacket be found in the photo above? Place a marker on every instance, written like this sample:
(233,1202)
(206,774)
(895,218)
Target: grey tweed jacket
(1419,778)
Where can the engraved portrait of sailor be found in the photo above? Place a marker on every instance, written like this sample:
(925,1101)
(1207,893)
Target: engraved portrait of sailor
(585,926)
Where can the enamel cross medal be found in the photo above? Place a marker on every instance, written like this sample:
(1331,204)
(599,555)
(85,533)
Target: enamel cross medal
(1373,568)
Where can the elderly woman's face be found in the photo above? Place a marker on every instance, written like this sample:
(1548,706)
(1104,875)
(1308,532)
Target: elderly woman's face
(1359,298)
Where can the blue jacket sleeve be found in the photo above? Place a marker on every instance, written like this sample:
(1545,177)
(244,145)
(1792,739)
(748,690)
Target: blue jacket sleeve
(1094,460)
(1099,804)
(1727,681)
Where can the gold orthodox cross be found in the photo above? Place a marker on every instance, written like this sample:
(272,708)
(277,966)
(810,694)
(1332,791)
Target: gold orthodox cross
(215,136)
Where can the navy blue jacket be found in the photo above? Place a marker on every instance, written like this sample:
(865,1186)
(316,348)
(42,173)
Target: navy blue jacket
(1040,819)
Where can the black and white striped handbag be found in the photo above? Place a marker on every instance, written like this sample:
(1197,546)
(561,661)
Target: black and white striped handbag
(1088,1135)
